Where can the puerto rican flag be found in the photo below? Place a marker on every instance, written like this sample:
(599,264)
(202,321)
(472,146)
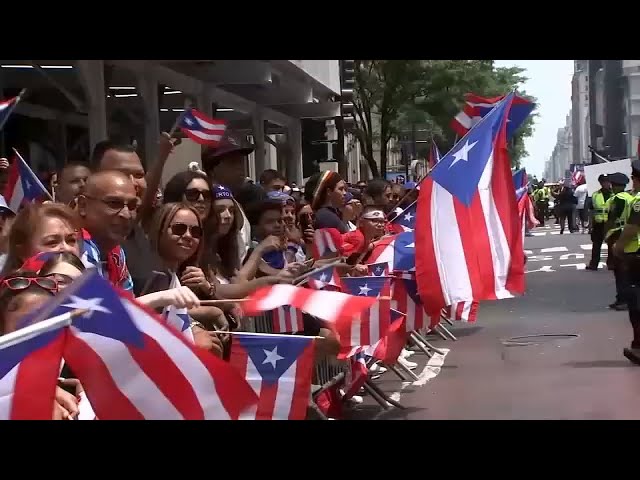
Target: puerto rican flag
(326,279)
(398,252)
(328,306)
(525,205)
(178,318)
(326,241)
(406,299)
(287,319)
(378,269)
(202,129)
(23,186)
(405,221)
(6,107)
(29,371)
(133,366)
(469,236)
(477,107)
(461,312)
(279,370)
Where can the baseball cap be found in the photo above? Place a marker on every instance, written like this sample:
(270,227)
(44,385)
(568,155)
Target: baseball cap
(280,196)
(603,177)
(228,144)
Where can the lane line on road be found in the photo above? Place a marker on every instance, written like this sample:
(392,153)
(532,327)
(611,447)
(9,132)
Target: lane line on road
(430,371)
(554,249)
(588,247)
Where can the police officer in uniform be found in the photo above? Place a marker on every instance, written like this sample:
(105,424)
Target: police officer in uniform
(619,207)
(627,250)
(599,218)
(541,198)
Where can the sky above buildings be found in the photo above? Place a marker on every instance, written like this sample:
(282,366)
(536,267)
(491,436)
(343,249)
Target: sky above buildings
(550,82)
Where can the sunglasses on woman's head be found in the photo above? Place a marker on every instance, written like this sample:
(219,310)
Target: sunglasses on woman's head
(22,283)
(193,194)
(180,229)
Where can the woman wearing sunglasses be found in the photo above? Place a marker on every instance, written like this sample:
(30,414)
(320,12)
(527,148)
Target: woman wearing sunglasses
(176,233)
(22,293)
(191,188)
(37,228)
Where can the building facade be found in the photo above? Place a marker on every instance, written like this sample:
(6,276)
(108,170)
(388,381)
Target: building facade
(562,154)
(580,113)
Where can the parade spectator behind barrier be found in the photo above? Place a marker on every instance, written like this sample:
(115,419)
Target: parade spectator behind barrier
(191,188)
(111,155)
(175,232)
(108,209)
(267,223)
(378,192)
(220,260)
(50,227)
(325,192)
(297,240)
(7,216)
(225,165)
(272,181)
(349,215)
(370,229)
(71,180)
(20,294)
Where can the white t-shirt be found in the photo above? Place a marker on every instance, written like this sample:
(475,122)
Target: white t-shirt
(581,194)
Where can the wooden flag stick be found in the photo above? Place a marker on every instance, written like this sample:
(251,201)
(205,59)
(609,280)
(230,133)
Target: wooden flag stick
(262,334)
(178,121)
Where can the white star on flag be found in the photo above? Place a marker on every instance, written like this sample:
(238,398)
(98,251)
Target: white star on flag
(91,304)
(27,185)
(463,153)
(188,121)
(272,357)
(379,270)
(323,277)
(364,290)
(411,245)
(408,217)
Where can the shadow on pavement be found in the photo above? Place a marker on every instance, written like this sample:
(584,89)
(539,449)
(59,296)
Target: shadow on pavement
(601,364)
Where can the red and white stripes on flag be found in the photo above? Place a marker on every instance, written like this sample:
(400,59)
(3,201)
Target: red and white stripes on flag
(287,319)
(328,306)
(202,129)
(461,312)
(325,242)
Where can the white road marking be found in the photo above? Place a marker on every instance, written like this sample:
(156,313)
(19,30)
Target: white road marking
(540,258)
(430,371)
(588,247)
(555,233)
(579,266)
(528,252)
(545,268)
(554,249)
(538,234)
(567,256)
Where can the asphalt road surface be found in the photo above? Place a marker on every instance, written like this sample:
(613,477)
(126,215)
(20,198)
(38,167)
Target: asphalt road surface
(486,374)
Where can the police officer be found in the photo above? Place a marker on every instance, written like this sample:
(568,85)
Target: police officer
(627,250)
(599,218)
(541,199)
(619,207)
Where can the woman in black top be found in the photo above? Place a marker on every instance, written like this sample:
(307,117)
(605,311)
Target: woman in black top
(566,203)
(325,191)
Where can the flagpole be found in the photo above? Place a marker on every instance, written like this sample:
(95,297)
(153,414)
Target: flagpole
(179,119)
(27,333)
(455,143)
(34,175)
(13,107)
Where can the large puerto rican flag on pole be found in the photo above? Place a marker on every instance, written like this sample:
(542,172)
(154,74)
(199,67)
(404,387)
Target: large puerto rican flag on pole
(469,233)
(476,107)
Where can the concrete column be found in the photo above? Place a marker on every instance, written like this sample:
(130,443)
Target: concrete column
(148,90)
(294,160)
(271,154)
(205,103)
(258,140)
(91,73)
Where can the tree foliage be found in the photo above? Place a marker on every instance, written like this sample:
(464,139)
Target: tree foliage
(393,96)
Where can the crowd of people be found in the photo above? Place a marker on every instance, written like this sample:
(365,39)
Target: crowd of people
(208,234)
(612,216)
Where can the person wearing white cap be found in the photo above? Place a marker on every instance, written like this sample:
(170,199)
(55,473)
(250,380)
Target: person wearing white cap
(6,219)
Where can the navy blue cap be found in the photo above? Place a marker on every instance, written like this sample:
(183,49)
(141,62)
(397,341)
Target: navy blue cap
(618,178)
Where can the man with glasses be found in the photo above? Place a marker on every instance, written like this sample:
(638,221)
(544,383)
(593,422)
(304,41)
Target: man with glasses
(108,208)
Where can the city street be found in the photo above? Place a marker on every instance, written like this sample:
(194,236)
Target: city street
(489,374)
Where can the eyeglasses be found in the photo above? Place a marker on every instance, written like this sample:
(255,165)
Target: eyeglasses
(193,195)
(22,283)
(179,229)
(116,205)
